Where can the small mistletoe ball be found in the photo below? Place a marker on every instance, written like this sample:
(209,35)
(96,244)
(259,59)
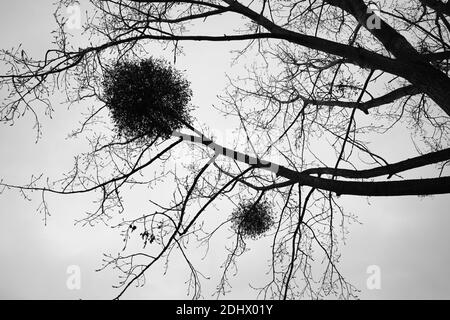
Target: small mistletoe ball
(252,219)
(147,98)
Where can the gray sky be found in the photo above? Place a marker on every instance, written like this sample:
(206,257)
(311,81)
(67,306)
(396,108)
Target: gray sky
(406,237)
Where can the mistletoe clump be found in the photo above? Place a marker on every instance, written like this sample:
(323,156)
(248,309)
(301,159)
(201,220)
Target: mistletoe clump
(252,219)
(147,98)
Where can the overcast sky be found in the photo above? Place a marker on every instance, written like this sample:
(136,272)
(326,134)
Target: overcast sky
(405,237)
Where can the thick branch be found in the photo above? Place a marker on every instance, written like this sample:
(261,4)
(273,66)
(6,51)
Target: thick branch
(389,188)
(438,6)
(390,170)
(411,187)
(365,106)
(392,40)
(414,68)
(436,56)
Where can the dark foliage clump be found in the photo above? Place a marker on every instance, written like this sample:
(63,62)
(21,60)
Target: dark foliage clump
(252,220)
(147,98)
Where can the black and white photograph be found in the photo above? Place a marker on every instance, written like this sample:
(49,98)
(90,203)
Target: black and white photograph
(225,150)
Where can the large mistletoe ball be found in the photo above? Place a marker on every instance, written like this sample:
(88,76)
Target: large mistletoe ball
(147,98)
(252,219)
